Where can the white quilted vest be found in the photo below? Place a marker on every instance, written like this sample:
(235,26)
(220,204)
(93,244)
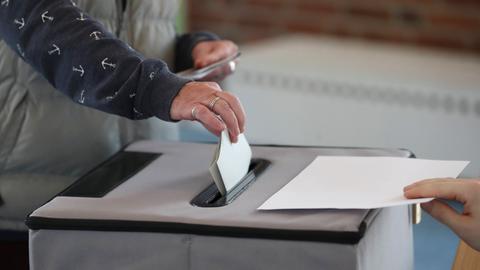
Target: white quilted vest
(43,131)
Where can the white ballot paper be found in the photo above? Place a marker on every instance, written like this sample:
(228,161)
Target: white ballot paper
(230,163)
(358,182)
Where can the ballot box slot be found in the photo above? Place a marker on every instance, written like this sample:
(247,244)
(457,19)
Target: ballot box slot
(211,197)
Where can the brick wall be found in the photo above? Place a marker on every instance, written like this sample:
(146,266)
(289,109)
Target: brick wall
(451,24)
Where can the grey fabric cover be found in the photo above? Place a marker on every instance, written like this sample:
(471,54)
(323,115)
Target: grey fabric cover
(44,133)
(386,245)
(161,192)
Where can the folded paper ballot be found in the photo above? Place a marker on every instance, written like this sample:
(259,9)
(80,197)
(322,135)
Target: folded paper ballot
(358,182)
(230,162)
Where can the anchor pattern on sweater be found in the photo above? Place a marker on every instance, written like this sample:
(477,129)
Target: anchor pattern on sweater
(51,48)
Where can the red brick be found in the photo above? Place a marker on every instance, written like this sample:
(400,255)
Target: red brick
(207,16)
(305,27)
(368,12)
(255,21)
(455,21)
(270,4)
(463,2)
(440,42)
(434,23)
(316,7)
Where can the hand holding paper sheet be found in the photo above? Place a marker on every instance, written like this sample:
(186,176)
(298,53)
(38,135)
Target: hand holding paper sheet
(358,182)
(230,162)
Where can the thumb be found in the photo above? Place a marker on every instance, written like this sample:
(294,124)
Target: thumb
(444,213)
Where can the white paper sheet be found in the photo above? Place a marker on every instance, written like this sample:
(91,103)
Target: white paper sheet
(358,182)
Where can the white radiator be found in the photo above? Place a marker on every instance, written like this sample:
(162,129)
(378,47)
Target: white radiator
(302,90)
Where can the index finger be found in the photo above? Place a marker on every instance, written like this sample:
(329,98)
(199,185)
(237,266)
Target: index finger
(223,109)
(450,190)
(425,181)
(236,106)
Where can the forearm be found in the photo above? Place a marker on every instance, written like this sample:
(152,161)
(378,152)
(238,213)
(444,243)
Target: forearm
(78,56)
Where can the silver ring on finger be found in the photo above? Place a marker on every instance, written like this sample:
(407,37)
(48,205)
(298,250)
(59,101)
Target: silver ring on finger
(194,113)
(212,103)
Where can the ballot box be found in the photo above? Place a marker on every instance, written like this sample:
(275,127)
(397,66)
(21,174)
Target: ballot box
(154,206)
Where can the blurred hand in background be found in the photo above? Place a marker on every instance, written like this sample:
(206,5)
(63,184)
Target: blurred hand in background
(208,52)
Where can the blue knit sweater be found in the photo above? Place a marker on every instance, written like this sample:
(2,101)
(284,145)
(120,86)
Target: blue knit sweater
(79,57)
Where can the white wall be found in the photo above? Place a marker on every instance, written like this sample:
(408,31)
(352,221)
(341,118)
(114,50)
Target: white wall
(316,91)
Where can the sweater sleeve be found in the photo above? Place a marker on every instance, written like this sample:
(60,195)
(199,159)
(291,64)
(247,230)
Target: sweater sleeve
(79,57)
(184,47)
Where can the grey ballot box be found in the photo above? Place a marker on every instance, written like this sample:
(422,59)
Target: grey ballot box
(153,206)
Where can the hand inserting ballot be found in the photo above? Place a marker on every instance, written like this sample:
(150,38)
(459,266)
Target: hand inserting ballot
(213,108)
(467,224)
